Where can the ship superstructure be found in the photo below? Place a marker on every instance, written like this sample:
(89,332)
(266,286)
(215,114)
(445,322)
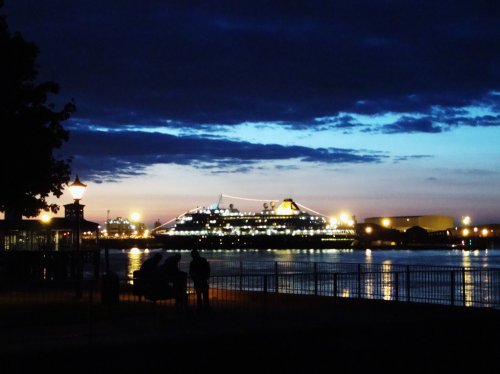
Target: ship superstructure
(281,226)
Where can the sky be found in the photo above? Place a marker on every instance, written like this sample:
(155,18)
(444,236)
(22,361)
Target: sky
(377,108)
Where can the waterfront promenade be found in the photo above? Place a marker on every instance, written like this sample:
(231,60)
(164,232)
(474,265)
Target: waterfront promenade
(257,333)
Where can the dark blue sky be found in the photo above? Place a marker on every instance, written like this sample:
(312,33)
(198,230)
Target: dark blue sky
(385,104)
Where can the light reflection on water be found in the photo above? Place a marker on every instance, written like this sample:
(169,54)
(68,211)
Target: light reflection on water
(468,289)
(387,280)
(125,262)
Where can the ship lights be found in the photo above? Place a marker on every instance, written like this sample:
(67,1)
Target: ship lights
(344,218)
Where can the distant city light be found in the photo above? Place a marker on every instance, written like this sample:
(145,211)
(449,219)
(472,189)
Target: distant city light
(466,220)
(368,230)
(135,216)
(386,222)
(45,218)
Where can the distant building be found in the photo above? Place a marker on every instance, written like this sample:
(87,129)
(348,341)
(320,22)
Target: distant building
(122,227)
(59,233)
(402,223)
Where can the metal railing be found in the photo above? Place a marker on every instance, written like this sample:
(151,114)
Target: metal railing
(458,286)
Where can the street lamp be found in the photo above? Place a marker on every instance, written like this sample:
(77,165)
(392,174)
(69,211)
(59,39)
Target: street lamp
(77,189)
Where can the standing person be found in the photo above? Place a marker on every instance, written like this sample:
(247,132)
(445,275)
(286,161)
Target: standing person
(199,271)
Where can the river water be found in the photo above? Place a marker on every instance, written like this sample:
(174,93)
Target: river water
(124,262)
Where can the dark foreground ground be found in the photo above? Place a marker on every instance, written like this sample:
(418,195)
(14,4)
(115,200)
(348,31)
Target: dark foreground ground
(305,335)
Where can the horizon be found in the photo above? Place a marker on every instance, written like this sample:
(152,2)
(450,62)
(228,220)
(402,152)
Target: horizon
(376,109)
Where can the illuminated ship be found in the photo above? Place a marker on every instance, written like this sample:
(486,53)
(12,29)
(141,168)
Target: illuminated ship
(282,226)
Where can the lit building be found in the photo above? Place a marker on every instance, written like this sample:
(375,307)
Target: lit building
(402,223)
(56,233)
(122,227)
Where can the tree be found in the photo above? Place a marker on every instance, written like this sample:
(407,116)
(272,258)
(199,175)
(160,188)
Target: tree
(31,131)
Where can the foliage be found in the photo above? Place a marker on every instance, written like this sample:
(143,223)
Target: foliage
(31,131)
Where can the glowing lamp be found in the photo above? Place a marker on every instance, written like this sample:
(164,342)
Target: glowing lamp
(77,189)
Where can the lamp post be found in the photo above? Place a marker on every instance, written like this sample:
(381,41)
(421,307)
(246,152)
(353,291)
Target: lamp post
(77,189)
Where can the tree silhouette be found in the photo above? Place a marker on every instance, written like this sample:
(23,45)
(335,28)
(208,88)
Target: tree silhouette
(31,131)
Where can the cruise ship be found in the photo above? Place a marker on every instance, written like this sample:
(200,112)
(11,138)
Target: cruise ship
(276,226)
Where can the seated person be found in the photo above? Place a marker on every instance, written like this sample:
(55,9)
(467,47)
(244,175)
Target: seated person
(149,276)
(170,273)
(149,268)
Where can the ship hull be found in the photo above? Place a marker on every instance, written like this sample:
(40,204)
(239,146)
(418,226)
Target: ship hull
(255,242)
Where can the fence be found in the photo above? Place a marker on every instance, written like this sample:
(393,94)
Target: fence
(51,279)
(459,286)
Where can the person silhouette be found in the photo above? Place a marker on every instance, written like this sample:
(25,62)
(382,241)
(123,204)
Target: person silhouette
(171,274)
(149,268)
(199,271)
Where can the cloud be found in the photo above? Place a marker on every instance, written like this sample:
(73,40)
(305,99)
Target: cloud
(410,157)
(191,62)
(411,125)
(110,156)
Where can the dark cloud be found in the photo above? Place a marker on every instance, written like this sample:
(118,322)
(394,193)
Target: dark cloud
(410,157)
(410,125)
(110,156)
(226,62)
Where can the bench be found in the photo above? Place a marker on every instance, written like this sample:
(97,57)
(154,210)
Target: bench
(155,290)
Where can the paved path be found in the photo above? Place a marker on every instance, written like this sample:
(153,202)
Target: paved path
(289,334)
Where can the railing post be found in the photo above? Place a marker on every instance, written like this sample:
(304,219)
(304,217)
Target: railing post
(408,287)
(463,287)
(335,292)
(241,275)
(359,281)
(396,285)
(452,287)
(315,279)
(276,277)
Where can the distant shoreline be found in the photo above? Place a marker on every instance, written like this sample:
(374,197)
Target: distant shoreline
(154,243)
